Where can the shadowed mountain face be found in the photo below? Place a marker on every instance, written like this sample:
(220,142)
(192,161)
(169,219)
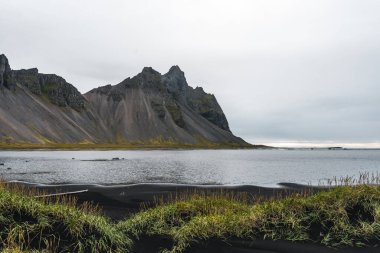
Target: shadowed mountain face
(148,108)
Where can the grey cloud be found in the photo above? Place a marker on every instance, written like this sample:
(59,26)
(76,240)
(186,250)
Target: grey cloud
(282,70)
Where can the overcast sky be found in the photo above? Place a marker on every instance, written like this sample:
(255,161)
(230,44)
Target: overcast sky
(284,71)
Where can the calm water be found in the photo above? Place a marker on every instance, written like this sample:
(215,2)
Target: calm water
(256,167)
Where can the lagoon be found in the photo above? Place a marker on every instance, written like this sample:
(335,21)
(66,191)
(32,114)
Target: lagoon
(201,167)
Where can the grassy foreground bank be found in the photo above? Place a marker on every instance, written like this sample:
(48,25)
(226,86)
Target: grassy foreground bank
(345,216)
(28,223)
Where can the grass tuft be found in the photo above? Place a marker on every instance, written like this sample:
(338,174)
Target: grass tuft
(344,216)
(54,225)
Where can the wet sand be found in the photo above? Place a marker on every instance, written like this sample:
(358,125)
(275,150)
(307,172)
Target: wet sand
(120,201)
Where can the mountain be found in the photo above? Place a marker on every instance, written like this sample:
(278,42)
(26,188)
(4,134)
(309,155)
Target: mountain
(148,108)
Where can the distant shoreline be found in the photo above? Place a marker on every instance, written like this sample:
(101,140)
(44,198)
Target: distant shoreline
(133,146)
(169,146)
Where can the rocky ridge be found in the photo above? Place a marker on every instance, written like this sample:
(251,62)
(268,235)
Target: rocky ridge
(148,107)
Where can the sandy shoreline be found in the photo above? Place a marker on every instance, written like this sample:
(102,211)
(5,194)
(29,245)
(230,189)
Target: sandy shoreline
(120,201)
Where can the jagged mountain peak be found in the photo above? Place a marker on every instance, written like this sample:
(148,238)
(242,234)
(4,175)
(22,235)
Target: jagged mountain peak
(145,108)
(149,70)
(175,70)
(173,88)
(51,86)
(175,73)
(3,58)
(175,81)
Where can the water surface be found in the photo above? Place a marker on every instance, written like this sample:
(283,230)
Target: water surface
(232,167)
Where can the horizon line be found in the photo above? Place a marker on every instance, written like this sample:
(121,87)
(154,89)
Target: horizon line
(321,144)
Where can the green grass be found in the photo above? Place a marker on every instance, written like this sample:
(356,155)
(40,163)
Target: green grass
(344,216)
(18,250)
(154,143)
(54,225)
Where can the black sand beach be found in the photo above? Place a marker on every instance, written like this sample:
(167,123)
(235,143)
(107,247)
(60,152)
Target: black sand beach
(121,201)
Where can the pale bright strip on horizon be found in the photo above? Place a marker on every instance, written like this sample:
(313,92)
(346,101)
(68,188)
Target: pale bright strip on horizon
(301,144)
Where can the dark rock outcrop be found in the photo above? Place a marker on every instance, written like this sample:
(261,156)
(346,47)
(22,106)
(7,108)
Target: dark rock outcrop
(175,83)
(29,79)
(54,87)
(148,107)
(206,105)
(60,92)
(201,102)
(161,105)
(6,75)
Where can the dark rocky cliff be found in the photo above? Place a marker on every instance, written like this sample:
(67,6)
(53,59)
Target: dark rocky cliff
(201,102)
(54,87)
(6,74)
(149,107)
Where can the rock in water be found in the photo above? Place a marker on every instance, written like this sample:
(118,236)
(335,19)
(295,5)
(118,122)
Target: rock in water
(148,108)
